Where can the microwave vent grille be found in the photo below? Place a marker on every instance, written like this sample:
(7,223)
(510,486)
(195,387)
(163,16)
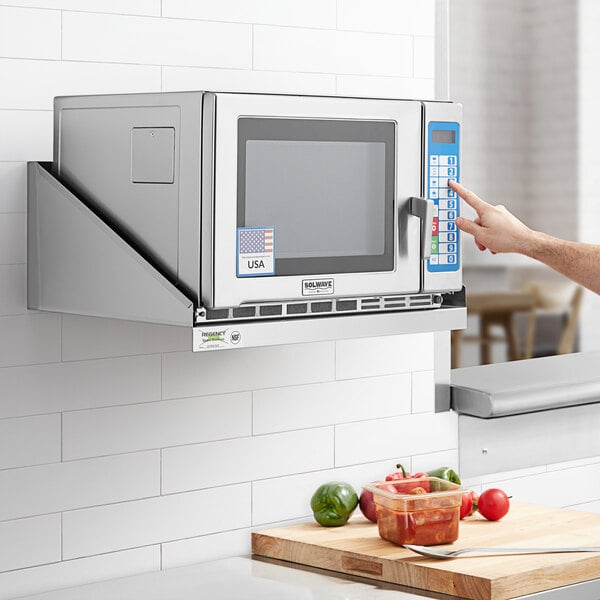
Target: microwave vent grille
(295,309)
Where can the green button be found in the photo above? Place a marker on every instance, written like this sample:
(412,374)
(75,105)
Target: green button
(434,244)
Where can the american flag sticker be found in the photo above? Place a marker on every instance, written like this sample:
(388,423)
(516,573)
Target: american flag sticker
(255,251)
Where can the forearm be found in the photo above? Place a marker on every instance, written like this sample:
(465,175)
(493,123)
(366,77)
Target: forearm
(578,261)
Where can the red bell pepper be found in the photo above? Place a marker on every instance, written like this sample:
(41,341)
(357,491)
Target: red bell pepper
(406,487)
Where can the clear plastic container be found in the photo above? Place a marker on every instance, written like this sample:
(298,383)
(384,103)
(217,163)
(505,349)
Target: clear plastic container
(423,511)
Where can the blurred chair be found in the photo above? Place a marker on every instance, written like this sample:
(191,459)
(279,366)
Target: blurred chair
(554,302)
(504,315)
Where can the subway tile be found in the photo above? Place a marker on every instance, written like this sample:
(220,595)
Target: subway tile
(207,547)
(298,489)
(592,507)
(29,441)
(384,438)
(573,463)
(26,135)
(309,13)
(13,183)
(157,41)
(303,406)
(144,522)
(188,374)
(114,430)
(363,86)
(29,339)
(246,459)
(245,80)
(133,7)
(384,355)
(424,57)
(93,337)
(412,17)
(13,289)
(13,238)
(29,33)
(491,478)
(29,542)
(319,51)
(64,486)
(82,571)
(79,385)
(32,84)
(555,488)
(423,391)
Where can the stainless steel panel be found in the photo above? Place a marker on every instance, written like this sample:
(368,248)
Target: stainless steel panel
(219,336)
(93,157)
(77,264)
(152,154)
(488,446)
(525,386)
(230,290)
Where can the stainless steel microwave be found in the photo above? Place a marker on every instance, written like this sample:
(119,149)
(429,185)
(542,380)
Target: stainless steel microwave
(261,206)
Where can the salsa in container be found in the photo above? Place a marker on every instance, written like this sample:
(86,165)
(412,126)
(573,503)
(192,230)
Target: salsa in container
(423,511)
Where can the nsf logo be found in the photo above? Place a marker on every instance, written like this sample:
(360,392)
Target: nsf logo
(235,337)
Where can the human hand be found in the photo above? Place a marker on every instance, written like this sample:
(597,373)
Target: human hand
(495,228)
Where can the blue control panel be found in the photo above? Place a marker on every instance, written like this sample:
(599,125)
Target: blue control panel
(442,165)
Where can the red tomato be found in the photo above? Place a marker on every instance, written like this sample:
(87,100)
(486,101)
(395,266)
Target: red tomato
(493,504)
(466,505)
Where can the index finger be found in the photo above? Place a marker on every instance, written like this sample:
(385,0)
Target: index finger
(468,196)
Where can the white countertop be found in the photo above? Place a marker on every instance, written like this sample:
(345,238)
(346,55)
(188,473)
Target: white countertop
(239,578)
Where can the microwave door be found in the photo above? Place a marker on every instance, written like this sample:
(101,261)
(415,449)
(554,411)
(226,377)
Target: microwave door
(311,198)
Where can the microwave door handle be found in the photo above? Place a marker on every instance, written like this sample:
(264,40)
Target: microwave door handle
(423,208)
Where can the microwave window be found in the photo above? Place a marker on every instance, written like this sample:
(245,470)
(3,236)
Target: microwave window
(323,198)
(329,200)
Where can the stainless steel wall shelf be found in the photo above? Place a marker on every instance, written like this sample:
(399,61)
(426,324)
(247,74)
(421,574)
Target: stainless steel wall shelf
(77,263)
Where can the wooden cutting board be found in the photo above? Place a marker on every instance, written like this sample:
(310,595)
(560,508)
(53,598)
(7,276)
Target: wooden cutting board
(357,549)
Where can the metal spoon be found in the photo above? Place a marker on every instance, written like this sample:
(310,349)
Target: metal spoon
(444,554)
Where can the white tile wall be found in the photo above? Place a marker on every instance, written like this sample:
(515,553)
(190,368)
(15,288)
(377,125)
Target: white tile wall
(13,184)
(157,41)
(30,441)
(206,547)
(246,459)
(71,573)
(332,51)
(383,356)
(297,407)
(244,80)
(40,389)
(186,374)
(101,431)
(146,522)
(29,33)
(133,7)
(32,84)
(29,542)
(13,289)
(117,444)
(73,484)
(89,337)
(311,13)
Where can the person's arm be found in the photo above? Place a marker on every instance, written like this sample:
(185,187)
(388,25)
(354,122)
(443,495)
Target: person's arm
(497,230)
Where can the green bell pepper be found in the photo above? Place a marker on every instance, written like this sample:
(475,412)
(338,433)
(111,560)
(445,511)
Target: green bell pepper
(333,503)
(445,473)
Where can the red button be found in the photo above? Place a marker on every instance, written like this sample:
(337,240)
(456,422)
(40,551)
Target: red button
(435,226)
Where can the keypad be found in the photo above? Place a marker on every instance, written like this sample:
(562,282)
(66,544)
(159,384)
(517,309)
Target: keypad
(444,237)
